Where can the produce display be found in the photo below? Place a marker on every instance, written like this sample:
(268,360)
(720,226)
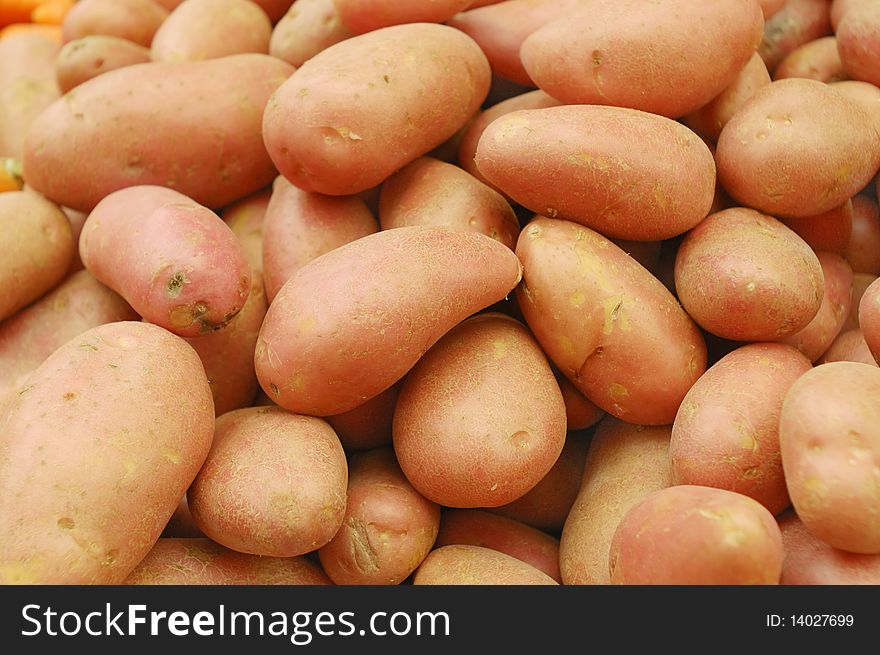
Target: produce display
(448,292)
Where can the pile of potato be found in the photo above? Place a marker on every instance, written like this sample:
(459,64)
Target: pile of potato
(448,292)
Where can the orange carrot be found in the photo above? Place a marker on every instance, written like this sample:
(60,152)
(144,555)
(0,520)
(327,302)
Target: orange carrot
(51,12)
(50,31)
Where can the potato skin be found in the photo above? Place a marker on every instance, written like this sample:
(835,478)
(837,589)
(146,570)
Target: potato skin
(849,346)
(105,117)
(133,20)
(866,95)
(601,54)
(362,16)
(816,60)
(474,565)
(388,530)
(245,218)
(830,231)
(97,451)
(174,561)
(321,140)
(726,432)
(858,41)
(537,156)
(829,455)
(193,277)
(369,425)
(610,326)
(745,276)
(815,151)
(327,358)
(863,249)
(691,535)
(85,58)
(869,316)
(625,464)
(796,23)
(273,483)
(309,27)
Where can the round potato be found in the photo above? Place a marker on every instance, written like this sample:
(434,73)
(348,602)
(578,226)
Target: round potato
(475,565)
(133,20)
(85,58)
(816,60)
(849,346)
(309,27)
(797,22)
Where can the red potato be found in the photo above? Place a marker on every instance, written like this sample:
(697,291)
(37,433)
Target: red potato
(810,561)
(82,59)
(74,306)
(369,425)
(433,193)
(363,108)
(796,23)
(726,432)
(829,231)
(192,277)
(351,323)
(202,562)
(710,119)
(273,484)
(858,40)
(479,528)
(691,535)
(300,226)
(210,29)
(388,530)
(829,434)
(849,346)
(639,176)
(214,157)
(37,245)
(866,95)
(367,15)
(863,249)
(134,20)
(629,53)
(274,9)
(181,525)
(861,282)
(840,7)
(819,334)
(245,218)
(309,27)
(610,326)
(128,396)
(475,565)
(816,60)
(580,412)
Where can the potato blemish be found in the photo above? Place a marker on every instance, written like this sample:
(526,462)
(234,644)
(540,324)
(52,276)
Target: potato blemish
(174,287)
(66,524)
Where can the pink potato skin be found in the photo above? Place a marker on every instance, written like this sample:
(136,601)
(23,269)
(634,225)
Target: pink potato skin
(310,27)
(385,300)
(367,15)
(858,40)
(796,23)
(849,346)
(369,425)
(830,231)
(98,449)
(816,60)
(245,218)
(474,565)
(85,58)
(134,20)
(862,93)
(726,432)
(863,249)
(214,157)
(191,276)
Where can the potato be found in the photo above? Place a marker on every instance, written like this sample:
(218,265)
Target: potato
(815,151)
(192,277)
(245,219)
(726,432)
(97,450)
(865,95)
(691,535)
(863,250)
(480,419)
(625,464)
(858,40)
(474,565)
(839,8)
(202,562)
(350,324)
(433,193)
(710,119)
(273,483)
(580,411)
(210,29)
(796,23)
(368,425)
(134,20)
(861,282)
(396,94)
(744,276)
(37,246)
(479,528)
(849,346)
(830,231)
(74,306)
(106,116)
(817,336)
(366,15)
(300,226)
(389,528)
(85,58)
(810,561)
(607,323)
(829,434)
(869,316)
(309,27)
(606,54)
(816,60)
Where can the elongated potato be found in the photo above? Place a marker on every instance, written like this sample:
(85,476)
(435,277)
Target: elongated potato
(203,562)
(475,565)
(192,277)
(830,231)
(96,452)
(389,528)
(350,324)
(85,58)
(309,27)
(639,176)
(849,346)
(609,325)
(629,53)
(816,60)
(625,464)
(691,535)
(134,20)
(369,425)
(78,304)
(273,483)
(726,432)
(106,116)
(366,15)
(796,23)
(863,249)
(245,218)
(365,107)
